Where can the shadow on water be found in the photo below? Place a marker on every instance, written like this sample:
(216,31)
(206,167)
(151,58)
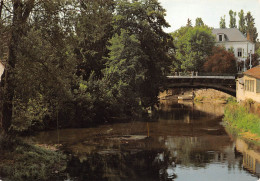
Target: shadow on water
(186,134)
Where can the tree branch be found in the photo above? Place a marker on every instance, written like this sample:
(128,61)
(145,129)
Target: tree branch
(28,8)
(1,7)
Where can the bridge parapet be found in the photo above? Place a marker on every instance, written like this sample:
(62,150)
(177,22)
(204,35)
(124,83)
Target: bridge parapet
(223,83)
(201,77)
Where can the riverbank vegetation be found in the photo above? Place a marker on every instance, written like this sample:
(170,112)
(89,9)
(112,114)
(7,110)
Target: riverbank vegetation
(22,161)
(75,64)
(80,63)
(239,118)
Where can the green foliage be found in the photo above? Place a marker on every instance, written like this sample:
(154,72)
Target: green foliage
(231,99)
(232,17)
(250,27)
(145,20)
(193,45)
(27,162)
(199,98)
(189,24)
(199,22)
(79,63)
(94,28)
(222,23)
(242,25)
(258,52)
(239,118)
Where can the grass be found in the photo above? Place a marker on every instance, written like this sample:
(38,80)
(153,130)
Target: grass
(21,161)
(199,98)
(245,123)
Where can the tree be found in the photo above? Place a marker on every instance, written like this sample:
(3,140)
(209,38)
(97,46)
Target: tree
(222,23)
(232,22)
(250,27)
(145,20)
(258,52)
(40,52)
(193,45)
(189,24)
(21,12)
(94,28)
(254,60)
(199,22)
(221,61)
(242,25)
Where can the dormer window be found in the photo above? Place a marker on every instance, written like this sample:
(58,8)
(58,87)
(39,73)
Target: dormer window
(221,37)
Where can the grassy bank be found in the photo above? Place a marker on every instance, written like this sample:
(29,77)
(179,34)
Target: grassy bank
(21,161)
(239,118)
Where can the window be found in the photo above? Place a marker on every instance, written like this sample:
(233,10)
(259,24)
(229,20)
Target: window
(250,85)
(220,38)
(239,52)
(257,85)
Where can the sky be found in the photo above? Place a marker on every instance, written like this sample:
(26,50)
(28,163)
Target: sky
(178,11)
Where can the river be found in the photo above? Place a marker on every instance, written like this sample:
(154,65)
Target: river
(187,143)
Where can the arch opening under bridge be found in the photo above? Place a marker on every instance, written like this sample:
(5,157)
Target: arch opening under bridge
(225,84)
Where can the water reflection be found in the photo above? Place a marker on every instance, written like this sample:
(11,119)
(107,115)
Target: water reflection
(187,134)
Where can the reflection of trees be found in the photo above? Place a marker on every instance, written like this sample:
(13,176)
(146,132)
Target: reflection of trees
(200,151)
(141,166)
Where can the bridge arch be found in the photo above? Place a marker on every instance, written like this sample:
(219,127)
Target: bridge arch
(225,84)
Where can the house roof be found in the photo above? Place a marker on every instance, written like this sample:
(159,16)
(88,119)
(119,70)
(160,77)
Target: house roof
(253,72)
(232,34)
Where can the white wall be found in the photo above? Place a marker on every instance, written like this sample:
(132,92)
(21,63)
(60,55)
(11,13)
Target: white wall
(246,46)
(242,94)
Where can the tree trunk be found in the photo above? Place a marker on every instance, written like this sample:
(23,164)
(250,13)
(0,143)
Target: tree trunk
(20,16)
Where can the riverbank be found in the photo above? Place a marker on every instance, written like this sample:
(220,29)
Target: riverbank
(22,161)
(198,95)
(242,121)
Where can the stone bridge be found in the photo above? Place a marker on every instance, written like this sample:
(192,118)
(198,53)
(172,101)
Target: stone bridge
(225,84)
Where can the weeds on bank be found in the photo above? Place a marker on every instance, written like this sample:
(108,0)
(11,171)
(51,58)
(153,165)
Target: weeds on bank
(199,98)
(238,117)
(21,161)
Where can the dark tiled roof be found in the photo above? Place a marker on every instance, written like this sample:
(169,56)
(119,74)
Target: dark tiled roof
(253,72)
(232,34)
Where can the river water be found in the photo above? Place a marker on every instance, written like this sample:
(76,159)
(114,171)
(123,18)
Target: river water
(187,143)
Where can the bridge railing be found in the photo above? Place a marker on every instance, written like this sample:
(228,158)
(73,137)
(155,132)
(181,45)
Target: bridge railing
(193,73)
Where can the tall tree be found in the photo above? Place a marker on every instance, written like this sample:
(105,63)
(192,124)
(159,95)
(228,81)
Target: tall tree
(222,23)
(193,45)
(250,27)
(199,22)
(242,22)
(94,28)
(21,11)
(189,24)
(232,21)
(146,18)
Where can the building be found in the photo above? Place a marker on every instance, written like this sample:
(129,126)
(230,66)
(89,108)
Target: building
(248,87)
(232,39)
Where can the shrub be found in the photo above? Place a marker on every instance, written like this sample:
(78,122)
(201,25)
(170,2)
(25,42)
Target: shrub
(27,162)
(237,116)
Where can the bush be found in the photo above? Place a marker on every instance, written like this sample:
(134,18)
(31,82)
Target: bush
(221,61)
(22,161)
(238,117)
(199,98)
